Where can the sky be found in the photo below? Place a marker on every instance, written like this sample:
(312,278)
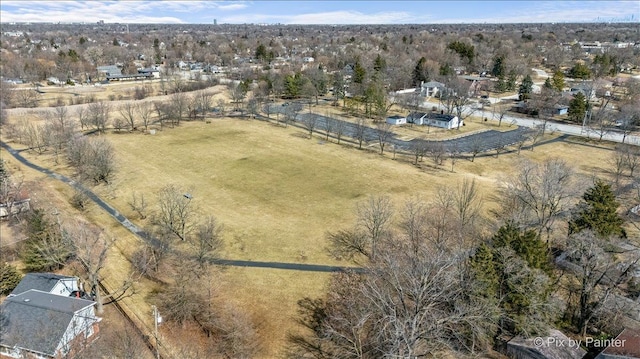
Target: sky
(318,12)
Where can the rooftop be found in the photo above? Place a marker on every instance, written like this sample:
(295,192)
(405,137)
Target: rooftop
(37,321)
(40,281)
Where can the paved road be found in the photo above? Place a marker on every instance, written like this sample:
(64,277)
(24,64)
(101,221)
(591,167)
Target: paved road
(612,134)
(475,142)
(147,237)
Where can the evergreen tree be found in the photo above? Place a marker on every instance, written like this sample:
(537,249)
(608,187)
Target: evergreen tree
(526,88)
(379,64)
(547,84)
(511,81)
(45,248)
(499,68)
(558,80)
(598,212)
(577,108)
(510,273)
(446,70)
(358,73)
(9,278)
(419,74)
(261,52)
(501,85)
(580,71)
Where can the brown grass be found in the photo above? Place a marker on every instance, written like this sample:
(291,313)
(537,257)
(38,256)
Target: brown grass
(277,194)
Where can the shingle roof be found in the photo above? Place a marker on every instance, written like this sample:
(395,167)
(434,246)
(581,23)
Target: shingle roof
(440,117)
(36,320)
(40,281)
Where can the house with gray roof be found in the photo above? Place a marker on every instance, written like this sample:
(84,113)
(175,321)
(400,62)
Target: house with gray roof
(434,119)
(37,324)
(431,88)
(47,282)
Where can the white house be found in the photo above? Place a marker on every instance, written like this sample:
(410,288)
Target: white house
(47,282)
(434,119)
(308,59)
(431,88)
(396,120)
(37,324)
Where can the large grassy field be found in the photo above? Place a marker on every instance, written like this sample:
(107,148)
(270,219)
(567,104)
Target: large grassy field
(277,194)
(276,191)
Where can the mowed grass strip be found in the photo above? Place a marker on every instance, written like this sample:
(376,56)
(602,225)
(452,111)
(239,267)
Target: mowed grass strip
(276,192)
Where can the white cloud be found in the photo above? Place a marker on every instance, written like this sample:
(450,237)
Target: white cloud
(237,6)
(333,17)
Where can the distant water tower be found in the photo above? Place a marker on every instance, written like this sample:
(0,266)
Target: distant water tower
(215,21)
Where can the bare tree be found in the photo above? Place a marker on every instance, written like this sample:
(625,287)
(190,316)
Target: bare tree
(98,115)
(467,202)
(476,147)
(328,124)
(128,113)
(374,217)
(138,204)
(419,149)
(145,110)
(437,151)
(93,158)
(383,132)
(179,103)
(207,241)
(340,127)
(597,275)
(538,194)
(360,132)
(310,122)
(175,211)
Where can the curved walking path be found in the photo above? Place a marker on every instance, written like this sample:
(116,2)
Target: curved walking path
(148,238)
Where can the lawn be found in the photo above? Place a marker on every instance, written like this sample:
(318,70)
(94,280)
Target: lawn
(277,194)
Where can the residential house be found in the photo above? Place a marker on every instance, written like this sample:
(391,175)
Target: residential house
(47,282)
(434,119)
(625,346)
(37,324)
(150,72)
(586,88)
(431,88)
(477,84)
(396,120)
(20,203)
(308,59)
(110,70)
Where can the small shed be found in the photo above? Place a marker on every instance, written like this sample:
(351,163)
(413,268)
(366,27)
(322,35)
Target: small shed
(396,120)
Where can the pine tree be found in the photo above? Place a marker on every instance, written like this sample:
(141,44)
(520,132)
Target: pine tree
(526,88)
(558,80)
(547,83)
(379,64)
(598,212)
(45,248)
(9,278)
(358,73)
(577,107)
(419,74)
